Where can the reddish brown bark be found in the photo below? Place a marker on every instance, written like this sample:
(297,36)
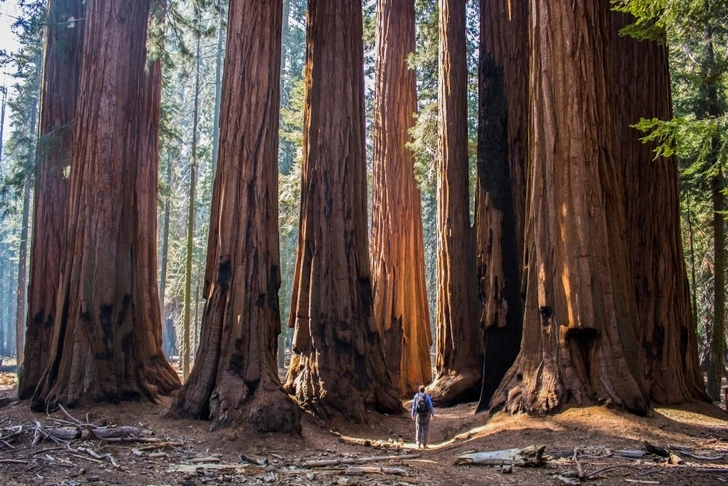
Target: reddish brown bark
(235,376)
(107,343)
(459,338)
(338,363)
(501,188)
(61,71)
(397,243)
(579,344)
(669,352)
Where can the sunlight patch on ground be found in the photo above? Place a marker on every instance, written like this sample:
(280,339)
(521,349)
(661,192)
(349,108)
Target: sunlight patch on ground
(692,418)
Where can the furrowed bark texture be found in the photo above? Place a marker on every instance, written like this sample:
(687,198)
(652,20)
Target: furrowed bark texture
(669,349)
(459,337)
(61,72)
(501,188)
(338,362)
(235,376)
(579,340)
(398,255)
(104,346)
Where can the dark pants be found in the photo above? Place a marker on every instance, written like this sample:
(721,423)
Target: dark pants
(422,429)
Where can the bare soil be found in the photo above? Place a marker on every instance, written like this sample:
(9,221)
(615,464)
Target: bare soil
(190,454)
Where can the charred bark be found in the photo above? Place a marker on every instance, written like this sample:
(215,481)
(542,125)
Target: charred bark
(61,72)
(338,363)
(579,343)
(669,349)
(107,343)
(397,243)
(235,376)
(459,338)
(501,188)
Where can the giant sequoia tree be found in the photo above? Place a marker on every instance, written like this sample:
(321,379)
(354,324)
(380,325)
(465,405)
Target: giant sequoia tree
(398,260)
(459,339)
(62,67)
(669,353)
(235,377)
(338,363)
(106,346)
(501,188)
(580,318)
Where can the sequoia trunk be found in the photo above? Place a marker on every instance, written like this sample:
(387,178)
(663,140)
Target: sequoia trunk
(669,349)
(580,319)
(107,343)
(338,362)
(61,72)
(501,188)
(398,259)
(459,338)
(235,377)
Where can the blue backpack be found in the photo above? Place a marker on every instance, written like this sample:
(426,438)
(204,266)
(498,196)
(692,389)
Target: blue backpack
(421,407)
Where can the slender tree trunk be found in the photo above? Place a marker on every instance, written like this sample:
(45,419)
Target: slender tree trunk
(501,188)
(459,338)
(284,73)
(21,292)
(716,363)
(398,255)
(711,109)
(235,377)
(669,348)
(61,72)
(338,363)
(4,102)
(218,90)
(186,342)
(579,344)
(105,345)
(2,307)
(168,336)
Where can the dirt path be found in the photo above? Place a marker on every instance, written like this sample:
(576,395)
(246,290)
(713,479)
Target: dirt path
(597,432)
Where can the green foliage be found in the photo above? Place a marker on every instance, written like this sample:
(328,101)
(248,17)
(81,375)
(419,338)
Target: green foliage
(19,154)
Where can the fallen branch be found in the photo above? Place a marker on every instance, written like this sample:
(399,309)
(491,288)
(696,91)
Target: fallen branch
(360,471)
(579,468)
(607,468)
(356,460)
(528,456)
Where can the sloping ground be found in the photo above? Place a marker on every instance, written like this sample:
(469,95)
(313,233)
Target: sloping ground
(183,452)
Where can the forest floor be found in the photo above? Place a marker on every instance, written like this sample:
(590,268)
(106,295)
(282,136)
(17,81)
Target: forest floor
(185,452)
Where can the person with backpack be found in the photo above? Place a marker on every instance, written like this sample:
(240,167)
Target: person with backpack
(422,412)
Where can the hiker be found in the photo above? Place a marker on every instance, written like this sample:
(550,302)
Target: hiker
(422,411)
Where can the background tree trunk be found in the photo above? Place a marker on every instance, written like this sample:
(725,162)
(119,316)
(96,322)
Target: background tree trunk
(61,72)
(338,362)
(459,338)
(2,307)
(579,343)
(711,108)
(235,377)
(501,188)
(169,338)
(103,345)
(669,348)
(187,310)
(398,258)
(22,289)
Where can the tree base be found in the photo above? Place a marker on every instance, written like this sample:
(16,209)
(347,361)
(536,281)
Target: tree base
(269,411)
(454,388)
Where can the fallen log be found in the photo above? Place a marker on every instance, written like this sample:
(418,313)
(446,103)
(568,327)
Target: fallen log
(528,456)
(355,460)
(361,471)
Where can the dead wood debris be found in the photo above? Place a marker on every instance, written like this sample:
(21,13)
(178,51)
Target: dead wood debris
(528,456)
